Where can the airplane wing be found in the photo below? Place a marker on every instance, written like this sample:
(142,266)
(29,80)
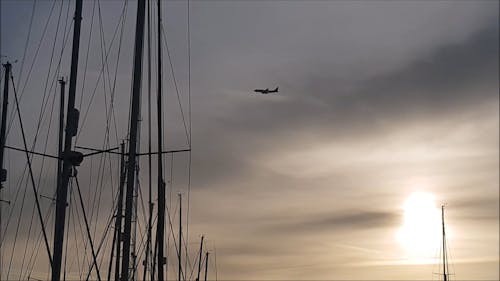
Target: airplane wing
(266,91)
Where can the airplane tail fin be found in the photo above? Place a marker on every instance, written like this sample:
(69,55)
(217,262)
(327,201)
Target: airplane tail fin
(276,89)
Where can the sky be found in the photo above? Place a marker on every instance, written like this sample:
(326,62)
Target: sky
(379,103)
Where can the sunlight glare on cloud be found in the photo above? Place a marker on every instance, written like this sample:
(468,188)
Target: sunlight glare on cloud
(420,233)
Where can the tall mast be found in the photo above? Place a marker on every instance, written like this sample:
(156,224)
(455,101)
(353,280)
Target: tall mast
(134,121)
(61,132)
(3,172)
(206,266)
(160,230)
(445,274)
(150,200)
(180,237)
(70,158)
(199,259)
(119,217)
(5,102)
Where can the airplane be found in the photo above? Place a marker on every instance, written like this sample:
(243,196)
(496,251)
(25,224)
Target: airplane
(266,91)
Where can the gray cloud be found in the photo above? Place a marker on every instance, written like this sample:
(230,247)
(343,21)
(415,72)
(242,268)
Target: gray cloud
(434,83)
(347,220)
(476,208)
(439,83)
(450,82)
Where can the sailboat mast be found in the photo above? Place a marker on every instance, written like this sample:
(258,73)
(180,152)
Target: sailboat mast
(161,184)
(134,122)
(206,266)
(70,158)
(3,172)
(180,237)
(444,245)
(119,217)
(199,259)
(61,131)
(150,200)
(5,102)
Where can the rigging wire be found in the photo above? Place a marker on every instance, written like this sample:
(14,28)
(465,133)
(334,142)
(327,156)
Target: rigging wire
(187,261)
(34,254)
(150,203)
(31,68)
(64,41)
(33,62)
(18,188)
(194,262)
(76,244)
(96,199)
(101,73)
(70,207)
(26,42)
(175,82)
(31,172)
(36,135)
(173,236)
(17,232)
(187,131)
(116,210)
(41,116)
(106,66)
(61,50)
(110,111)
(184,121)
(53,50)
(37,50)
(49,125)
(39,184)
(42,110)
(53,81)
(108,226)
(100,178)
(46,83)
(189,115)
(85,257)
(170,196)
(448,258)
(64,32)
(189,69)
(141,249)
(87,228)
(87,55)
(101,243)
(113,91)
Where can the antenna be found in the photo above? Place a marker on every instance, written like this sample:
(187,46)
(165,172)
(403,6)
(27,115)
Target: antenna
(445,256)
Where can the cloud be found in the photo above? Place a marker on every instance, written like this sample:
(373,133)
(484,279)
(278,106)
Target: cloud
(450,82)
(434,83)
(452,77)
(476,208)
(347,220)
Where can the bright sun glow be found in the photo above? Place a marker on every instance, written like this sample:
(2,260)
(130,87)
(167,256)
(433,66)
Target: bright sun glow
(420,232)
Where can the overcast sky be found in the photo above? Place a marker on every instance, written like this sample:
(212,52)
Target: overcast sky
(377,100)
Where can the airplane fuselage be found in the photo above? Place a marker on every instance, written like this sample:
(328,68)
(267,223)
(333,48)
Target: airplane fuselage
(266,91)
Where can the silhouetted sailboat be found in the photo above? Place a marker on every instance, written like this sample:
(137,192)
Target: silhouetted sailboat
(444,268)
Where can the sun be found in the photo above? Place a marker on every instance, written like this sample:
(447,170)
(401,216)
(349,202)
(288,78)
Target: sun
(420,233)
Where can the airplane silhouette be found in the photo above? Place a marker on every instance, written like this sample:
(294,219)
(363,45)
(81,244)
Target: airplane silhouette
(266,91)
